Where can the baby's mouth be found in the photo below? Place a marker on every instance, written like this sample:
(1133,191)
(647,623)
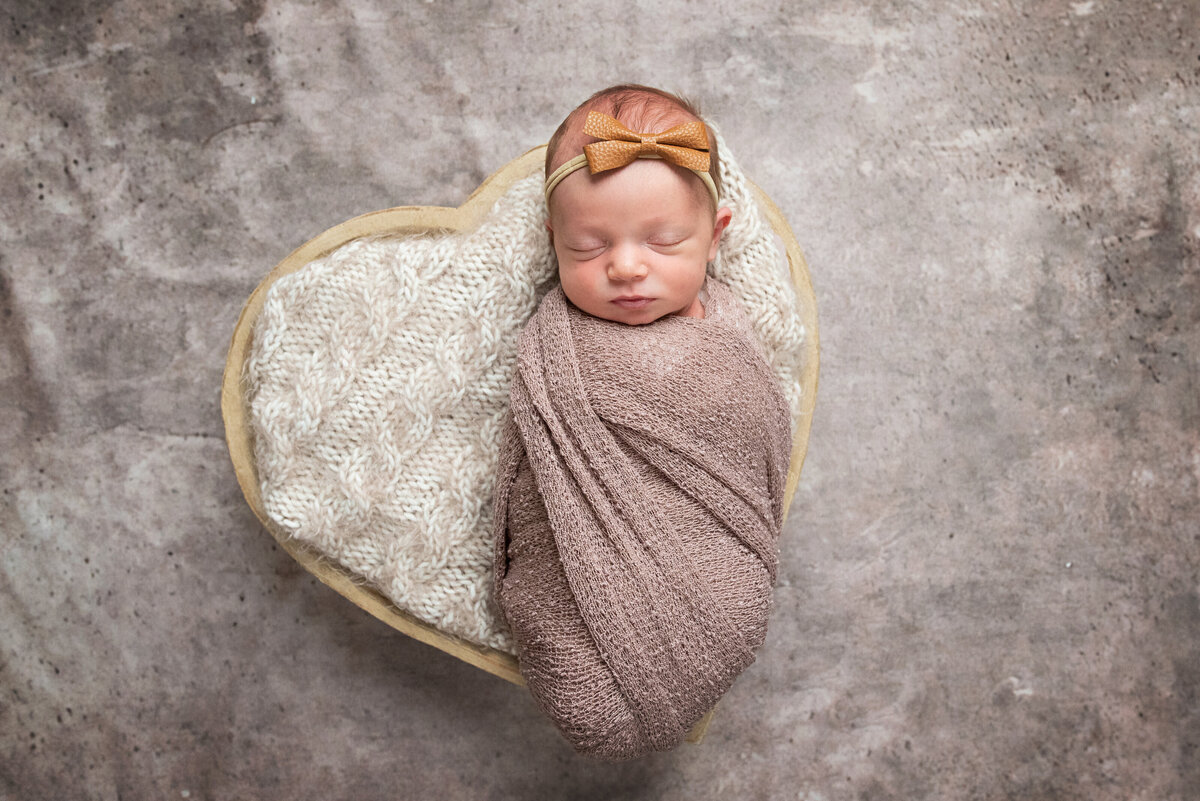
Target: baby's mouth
(632,301)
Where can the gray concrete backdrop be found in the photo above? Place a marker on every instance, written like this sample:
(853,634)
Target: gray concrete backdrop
(990,585)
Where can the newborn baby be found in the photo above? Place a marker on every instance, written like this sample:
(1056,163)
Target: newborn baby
(640,485)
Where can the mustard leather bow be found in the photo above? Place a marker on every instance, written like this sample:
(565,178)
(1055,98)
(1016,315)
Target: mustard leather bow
(685,145)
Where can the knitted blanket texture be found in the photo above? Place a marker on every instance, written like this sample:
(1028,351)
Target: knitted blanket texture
(638,505)
(378,388)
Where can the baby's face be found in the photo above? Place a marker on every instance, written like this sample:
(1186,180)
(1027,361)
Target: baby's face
(642,231)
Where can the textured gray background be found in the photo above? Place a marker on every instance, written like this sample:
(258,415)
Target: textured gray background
(990,585)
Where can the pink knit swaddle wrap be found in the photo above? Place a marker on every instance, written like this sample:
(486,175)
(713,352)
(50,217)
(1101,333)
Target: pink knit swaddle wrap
(638,504)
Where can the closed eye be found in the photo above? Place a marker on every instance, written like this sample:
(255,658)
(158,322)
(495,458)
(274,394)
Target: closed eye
(666,237)
(666,243)
(586,252)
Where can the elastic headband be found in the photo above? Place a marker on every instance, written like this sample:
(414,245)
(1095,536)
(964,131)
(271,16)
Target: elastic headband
(684,145)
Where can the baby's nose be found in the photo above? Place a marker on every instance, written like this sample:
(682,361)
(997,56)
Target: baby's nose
(626,263)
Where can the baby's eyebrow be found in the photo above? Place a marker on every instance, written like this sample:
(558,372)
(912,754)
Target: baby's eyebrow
(578,242)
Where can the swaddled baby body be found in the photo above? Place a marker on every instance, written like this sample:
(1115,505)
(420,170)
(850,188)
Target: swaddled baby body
(640,485)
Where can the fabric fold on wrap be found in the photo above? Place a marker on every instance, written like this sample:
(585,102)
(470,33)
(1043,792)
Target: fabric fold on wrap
(637,512)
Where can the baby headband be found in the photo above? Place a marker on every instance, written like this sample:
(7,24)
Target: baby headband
(685,145)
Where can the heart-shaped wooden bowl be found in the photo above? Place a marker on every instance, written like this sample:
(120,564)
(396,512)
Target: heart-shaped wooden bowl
(419,220)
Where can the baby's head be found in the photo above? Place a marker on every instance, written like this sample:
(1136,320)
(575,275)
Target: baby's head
(645,230)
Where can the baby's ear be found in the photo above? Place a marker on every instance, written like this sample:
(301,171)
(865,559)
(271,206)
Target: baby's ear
(724,215)
(550,228)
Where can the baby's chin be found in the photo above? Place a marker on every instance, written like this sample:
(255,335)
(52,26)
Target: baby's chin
(624,316)
(606,310)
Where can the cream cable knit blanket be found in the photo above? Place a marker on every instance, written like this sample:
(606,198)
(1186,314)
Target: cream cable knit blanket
(378,384)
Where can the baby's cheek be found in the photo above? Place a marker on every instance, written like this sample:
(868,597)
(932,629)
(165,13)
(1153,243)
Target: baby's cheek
(571,287)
